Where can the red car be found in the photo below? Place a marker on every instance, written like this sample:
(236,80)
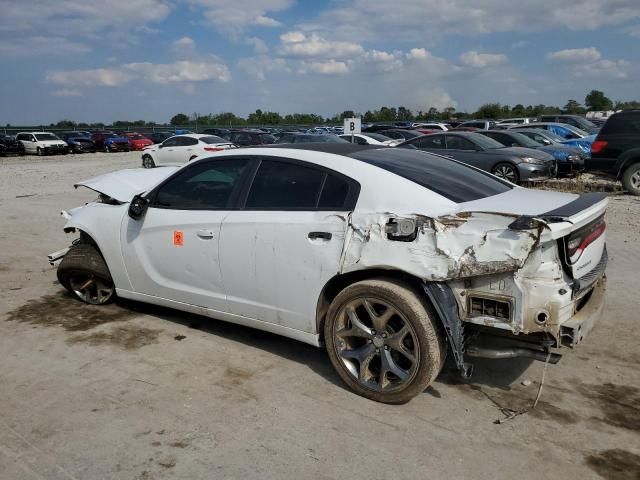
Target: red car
(137,141)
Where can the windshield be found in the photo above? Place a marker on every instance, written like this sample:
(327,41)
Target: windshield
(212,139)
(44,137)
(585,124)
(451,179)
(525,141)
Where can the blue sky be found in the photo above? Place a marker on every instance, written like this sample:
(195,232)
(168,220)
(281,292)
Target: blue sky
(104,60)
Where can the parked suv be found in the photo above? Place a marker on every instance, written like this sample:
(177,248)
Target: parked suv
(616,149)
(245,138)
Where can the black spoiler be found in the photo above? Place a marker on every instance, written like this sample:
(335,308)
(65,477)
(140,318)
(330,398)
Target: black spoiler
(560,214)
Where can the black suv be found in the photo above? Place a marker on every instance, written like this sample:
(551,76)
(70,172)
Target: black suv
(9,145)
(616,149)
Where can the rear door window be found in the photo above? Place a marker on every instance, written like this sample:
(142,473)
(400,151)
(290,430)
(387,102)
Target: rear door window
(458,143)
(282,185)
(430,142)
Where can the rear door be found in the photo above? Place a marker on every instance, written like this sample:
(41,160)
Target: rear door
(279,251)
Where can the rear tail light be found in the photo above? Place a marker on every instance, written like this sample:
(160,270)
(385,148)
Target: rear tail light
(579,240)
(213,149)
(598,146)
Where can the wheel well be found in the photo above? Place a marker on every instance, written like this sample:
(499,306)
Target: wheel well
(340,282)
(628,164)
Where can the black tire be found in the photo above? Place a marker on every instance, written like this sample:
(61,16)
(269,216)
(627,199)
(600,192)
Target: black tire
(631,179)
(506,171)
(147,161)
(427,345)
(83,264)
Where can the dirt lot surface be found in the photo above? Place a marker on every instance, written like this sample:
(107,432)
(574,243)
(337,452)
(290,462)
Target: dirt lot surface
(130,391)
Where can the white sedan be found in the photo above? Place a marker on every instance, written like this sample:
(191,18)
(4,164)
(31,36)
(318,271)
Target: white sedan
(370,139)
(181,149)
(391,258)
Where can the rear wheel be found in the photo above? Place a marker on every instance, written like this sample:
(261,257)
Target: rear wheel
(383,341)
(85,274)
(631,179)
(506,171)
(147,161)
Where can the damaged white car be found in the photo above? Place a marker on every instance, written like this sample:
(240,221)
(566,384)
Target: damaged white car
(391,258)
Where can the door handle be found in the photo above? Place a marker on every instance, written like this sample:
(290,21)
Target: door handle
(205,234)
(319,235)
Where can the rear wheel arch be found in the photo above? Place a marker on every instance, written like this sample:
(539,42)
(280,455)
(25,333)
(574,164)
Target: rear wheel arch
(341,281)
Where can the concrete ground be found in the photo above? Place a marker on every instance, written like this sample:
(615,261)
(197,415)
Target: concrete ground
(130,391)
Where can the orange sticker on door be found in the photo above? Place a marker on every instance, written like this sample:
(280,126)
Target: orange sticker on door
(178,238)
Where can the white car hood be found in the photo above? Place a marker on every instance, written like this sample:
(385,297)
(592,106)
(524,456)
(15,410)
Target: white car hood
(123,185)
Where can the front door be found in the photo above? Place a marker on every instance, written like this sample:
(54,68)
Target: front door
(172,252)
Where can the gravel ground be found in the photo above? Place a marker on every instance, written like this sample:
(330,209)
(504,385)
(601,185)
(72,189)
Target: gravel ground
(132,391)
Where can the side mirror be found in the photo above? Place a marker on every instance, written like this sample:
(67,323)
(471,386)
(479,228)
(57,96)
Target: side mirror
(138,207)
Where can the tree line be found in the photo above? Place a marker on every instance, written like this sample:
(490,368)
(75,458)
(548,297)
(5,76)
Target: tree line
(595,100)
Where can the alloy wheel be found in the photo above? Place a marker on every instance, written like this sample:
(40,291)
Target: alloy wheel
(376,344)
(91,289)
(505,172)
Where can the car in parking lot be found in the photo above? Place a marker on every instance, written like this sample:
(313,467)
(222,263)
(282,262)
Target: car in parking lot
(515,164)
(566,131)
(42,143)
(159,137)
(79,142)
(616,149)
(246,138)
(138,141)
(10,146)
(570,159)
(401,134)
(370,139)
(479,124)
(393,259)
(181,149)
(574,120)
(309,138)
(111,142)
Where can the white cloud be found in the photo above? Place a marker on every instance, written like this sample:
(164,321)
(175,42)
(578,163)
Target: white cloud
(184,45)
(233,16)
(33,46)
(259,45)
(259,66)
(420,20)
(571,55)
(104,77)
(418,54)
(330,67)
(297,44)
(385,61)
(65,92)
(482,60)
(181,72)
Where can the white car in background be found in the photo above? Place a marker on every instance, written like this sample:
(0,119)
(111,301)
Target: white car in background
(181,149)
(431,126)
(42,143)
(391,258)
(371,139)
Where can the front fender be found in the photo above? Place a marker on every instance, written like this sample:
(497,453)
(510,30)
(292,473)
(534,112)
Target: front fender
(102,222)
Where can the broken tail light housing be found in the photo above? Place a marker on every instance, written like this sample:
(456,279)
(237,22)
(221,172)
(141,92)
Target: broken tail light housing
(579,240)
(489,307)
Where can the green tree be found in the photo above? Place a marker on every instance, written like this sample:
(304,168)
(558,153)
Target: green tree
(573,107)
(596,100)
(490,110)
(179,119)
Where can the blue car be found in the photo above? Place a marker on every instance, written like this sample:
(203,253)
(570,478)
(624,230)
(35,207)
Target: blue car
(584,144)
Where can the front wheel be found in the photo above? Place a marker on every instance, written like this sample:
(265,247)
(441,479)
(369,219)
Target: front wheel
(84,273)
(39,151)
(631,179)
(506,171)
(383,340)
(147,162)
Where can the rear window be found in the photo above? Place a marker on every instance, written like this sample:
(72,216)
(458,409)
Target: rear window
(451,179)
(622,124)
